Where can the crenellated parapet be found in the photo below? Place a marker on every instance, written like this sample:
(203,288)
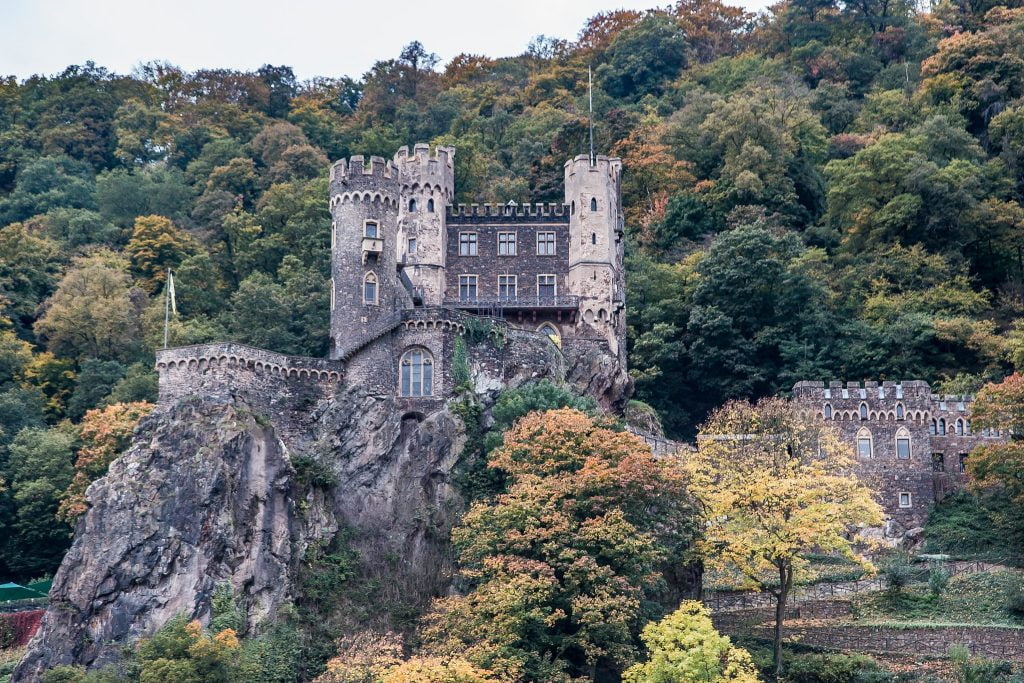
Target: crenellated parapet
(212,369)
(359,180)
(508,213)
(424,172)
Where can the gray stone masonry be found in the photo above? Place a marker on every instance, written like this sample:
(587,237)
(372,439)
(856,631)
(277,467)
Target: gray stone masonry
(910,444)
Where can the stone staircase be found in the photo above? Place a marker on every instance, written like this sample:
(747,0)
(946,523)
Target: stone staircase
(378,330)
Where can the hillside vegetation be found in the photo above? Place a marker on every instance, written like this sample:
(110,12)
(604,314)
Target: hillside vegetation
(830,190)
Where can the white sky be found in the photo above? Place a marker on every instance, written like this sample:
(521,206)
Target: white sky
(326,38)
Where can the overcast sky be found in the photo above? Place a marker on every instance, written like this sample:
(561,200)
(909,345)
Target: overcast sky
(332,38)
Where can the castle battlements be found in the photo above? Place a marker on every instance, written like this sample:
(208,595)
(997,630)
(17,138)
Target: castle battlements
(552,212)
(611,166)
(357,168)
(444,156)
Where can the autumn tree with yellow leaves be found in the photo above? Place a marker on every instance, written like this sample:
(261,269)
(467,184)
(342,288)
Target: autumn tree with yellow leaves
(774,485)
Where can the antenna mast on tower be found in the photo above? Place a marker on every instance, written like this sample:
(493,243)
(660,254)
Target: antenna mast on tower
(590,97)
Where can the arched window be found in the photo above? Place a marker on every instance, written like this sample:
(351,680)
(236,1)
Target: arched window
(334,234)
(370,288)
(430,206)
(332,293)
(942,426)
(959,427)
(864,445)
(593,204)
(417,373)
(933,428)
(828,411)
(593,238)
(551,331)
(412,205)
(967,427)
(863,411)
(899,411)
(903,443)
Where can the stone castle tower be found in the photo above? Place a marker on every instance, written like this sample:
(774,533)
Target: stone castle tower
(596,246)
(427,188)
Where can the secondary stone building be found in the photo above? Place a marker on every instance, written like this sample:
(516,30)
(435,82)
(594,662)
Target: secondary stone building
(911,444)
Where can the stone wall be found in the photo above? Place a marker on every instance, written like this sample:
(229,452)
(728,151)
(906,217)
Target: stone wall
(937,427)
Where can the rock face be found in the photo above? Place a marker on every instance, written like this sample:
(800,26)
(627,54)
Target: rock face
(209,493)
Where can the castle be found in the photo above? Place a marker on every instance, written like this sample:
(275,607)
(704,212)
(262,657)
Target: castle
(410,271)
(911,445)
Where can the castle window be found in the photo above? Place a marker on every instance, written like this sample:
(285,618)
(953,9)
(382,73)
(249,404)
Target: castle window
(593,204)
(899,411)
(986,432)
(370,229)
(332,293)
(962,462)
(572,208)
(938,462)
(864,449)
(412,246)
(902,444)
(334,234)
(959,427)
(506,244)
(933,427)
(906,500)
(412,205)
(593,238)
(507,287)
(467,288)
(546,287)
(370,289)
(545,244)
(967,427)
(467,243)
(863,411)
(942,426)
(430,206)
(550,331)
(417,369)
(828,411)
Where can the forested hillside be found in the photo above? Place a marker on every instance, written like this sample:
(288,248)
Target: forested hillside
(827,191)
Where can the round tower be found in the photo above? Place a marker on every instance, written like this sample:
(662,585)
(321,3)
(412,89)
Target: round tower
(427,188)
(365,288)
(596,270)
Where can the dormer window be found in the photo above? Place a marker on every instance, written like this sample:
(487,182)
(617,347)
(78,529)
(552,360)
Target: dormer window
(370,229)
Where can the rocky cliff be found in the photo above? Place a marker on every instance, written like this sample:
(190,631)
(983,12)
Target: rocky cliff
(211,492)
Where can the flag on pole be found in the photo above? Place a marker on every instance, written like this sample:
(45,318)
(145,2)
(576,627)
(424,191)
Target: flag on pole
(170,291)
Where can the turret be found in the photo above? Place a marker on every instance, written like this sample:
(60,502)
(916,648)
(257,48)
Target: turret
(596,272)
(365,288)
(427,187)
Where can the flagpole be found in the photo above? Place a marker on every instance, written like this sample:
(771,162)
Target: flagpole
(167,305)
(590,89)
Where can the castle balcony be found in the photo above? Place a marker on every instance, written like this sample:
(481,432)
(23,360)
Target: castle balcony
(372,246)
(516,303)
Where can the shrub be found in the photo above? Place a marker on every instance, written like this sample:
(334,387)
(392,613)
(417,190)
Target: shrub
(829,668)
(938,579)
(1015,597)
(897,572)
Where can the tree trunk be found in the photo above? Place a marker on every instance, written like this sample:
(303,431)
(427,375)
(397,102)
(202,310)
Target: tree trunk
(785,583)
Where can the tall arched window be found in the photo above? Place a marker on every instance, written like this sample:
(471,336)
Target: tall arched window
(863,411)
(572,207)
(903,443)
(959,427)
(593,204)
(942,426)
(864,445)
(899,411)
(430,206)
(828,411)
(933,428)
(417,373)
(332,293)
(412,205)
(370,289)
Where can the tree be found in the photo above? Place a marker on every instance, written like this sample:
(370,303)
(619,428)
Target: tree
(591,536)
(29,267)
(95,311)
(684,646)
(96,379)
(773,485)
(999,466)
(643,58)
(157,245)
